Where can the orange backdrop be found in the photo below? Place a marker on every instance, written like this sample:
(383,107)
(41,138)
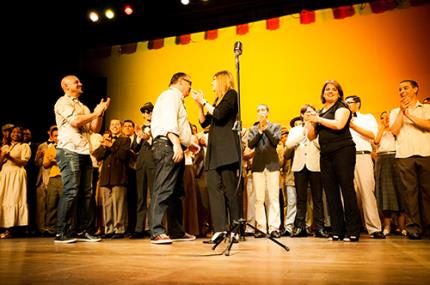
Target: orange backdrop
(368,54)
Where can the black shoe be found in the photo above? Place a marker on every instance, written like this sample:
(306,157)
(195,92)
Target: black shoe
(321,233)
(137,235)
(414,236)
(84,236)
(64,238)
(106,235)
(118,236)
(351,238)
(275,234)
(216,238)
(259,234)
(287,233)
(300,232)
(377,235)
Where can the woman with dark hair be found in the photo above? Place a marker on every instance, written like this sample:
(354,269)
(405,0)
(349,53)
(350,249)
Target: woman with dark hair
(389,188)
(223,152)
(14,156)
(337,162)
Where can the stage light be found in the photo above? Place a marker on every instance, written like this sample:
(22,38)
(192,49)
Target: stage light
(94,16)
(128,9)
(109,13)
(185,2)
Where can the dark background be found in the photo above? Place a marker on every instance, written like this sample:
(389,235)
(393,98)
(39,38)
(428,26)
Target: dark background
(42,41)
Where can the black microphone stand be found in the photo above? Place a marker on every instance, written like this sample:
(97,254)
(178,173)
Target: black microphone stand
(237,127)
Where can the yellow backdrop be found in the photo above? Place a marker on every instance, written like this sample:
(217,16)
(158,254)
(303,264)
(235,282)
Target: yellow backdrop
(286,68)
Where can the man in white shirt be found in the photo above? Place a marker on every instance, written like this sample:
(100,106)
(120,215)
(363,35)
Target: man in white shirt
(363,130)
(171,134)
(410,123)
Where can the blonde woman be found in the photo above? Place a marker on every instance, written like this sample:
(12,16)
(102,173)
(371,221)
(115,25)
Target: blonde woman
(223,152)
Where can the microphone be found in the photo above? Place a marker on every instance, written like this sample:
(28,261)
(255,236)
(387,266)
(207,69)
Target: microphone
(238,48)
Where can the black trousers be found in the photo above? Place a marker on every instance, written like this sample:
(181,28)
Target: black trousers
(337,174)
(144,182)
(302,179)
(224,196)
(167,192)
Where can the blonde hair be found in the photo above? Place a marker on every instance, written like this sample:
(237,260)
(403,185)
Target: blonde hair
(224,82)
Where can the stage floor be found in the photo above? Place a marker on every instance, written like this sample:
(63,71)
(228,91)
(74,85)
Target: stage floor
(310,260)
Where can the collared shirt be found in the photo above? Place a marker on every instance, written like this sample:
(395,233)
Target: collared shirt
(71,138)
(412,140)
(307,153)
(368,122)
(169,116)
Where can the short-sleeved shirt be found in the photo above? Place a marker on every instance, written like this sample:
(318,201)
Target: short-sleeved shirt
(412,140)
(74,139)
(332,140)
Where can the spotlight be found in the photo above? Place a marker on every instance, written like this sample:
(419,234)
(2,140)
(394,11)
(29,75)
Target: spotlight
(94,16)
(109,14)
(128,9)
(185,2)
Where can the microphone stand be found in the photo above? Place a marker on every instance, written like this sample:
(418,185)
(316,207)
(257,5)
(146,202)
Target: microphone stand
(239,225)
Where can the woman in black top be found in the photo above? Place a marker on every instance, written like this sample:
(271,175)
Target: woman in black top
(223,152)
(337,162)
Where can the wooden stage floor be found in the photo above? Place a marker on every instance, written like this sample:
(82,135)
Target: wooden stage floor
(395,260)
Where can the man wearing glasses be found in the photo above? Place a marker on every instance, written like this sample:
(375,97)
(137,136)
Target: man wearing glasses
(363,130)
(171,132)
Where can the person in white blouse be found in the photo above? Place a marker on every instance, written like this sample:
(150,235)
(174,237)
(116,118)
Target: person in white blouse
(306,168)
(363,130)
(389,188)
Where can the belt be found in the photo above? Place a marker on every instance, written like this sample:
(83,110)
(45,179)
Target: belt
(164,138)
(167,140)
(386,152)
(362,152)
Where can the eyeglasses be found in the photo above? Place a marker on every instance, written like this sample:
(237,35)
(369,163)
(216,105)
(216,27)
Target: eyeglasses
(350,102)
(189,81)
(146,112)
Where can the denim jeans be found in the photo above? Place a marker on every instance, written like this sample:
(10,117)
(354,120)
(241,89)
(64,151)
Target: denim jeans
(168,191)
(75,204)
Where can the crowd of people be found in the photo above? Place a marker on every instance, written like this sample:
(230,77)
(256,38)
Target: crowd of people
(335,174)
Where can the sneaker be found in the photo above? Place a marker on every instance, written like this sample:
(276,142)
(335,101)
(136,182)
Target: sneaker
(84,236)
(63,238)
(185,237)
(161,239)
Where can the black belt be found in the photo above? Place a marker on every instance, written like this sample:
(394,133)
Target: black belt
(362,152)
(167,140)
(386,152)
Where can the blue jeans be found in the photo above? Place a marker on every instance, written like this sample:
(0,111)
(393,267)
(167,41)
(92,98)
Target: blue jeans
(75,204)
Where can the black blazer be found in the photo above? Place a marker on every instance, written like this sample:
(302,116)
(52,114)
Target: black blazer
(265,147)
(144,154)
(115,162)
(223,143)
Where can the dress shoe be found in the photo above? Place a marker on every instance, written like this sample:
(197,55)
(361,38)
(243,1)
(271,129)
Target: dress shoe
(137,235)
(106,235)
(300,232)
(377,235)
(275,234)
(118,236)
(216,238)
(259,234)
(414,236)
(352,238)
(321,233)
(287,233)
